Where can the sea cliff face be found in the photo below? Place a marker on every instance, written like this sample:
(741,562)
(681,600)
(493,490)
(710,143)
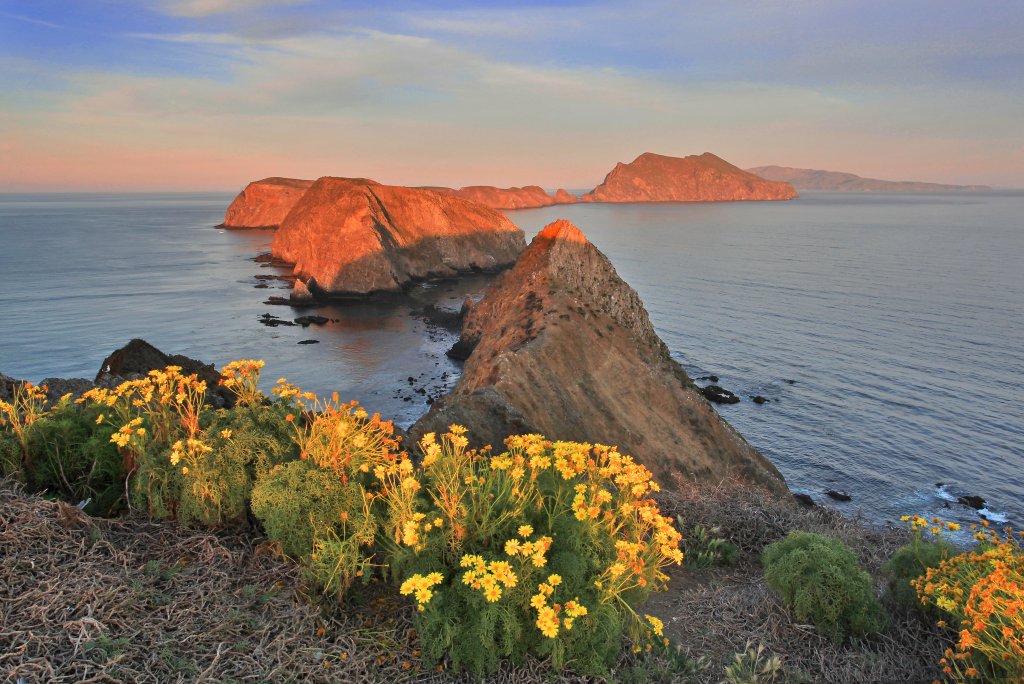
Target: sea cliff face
(528,197)
(355,237)
(562,346)
(837,181)
(265,203)
(697,178)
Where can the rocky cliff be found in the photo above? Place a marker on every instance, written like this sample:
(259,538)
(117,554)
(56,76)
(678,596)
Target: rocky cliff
(697,178)
(265,203)
(355,237)
(527,197)
(562,346)
(836,181)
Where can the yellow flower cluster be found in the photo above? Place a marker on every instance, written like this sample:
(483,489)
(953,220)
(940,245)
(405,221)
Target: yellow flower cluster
(487,577)
(421,588)
(27,405)
(536,550)
(242,377)
(983,590)
(935,526)
(547,612)
(126,432)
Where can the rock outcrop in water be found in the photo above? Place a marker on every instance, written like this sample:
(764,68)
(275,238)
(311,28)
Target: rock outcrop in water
(697,178)
(528,197)
(138,357)
(562,346)
(265,203)
(355,237)
(836,181)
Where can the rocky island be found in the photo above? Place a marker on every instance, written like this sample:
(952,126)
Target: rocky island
(836,181)
(696,178)
(528,197)
(265,203)
(562,346)
(353,237)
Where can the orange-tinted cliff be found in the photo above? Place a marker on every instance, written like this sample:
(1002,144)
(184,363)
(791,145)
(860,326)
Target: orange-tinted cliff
(527,197)
(265,203)
(697,178)
(355,236)
(565,348)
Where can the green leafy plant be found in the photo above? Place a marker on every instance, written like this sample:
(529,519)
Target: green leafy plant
(818,578)
(912,561)
(704,549)
(754,665)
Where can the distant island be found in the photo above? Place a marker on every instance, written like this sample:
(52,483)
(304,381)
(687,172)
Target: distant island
(697,178)
(838,181)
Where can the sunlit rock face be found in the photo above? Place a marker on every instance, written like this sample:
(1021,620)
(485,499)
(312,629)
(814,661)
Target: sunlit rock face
(528,197)
(265,203)
(697,178)
(356,236)
(562,346)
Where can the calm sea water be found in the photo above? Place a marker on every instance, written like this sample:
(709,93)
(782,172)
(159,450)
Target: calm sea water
(900,319)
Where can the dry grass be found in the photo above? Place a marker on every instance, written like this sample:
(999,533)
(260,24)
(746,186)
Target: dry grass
(716,612)
(133,600)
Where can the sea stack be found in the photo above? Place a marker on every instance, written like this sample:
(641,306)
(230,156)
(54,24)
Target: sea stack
(356,237)
(563,347)
(697,178)
(265,203)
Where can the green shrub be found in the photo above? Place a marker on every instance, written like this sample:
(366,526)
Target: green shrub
(819,579)
(911,562)
(703,548)
(71,457)
(245,443)
(10,456)
(548,549)
(298,501)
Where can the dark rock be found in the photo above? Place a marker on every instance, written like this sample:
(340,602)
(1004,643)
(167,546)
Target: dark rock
(308,342)
(709,378)
(838,495)
(138,357)
(804,500)
(789,382)
(975,502)
(277,301)
(58,387)
(306,321)
(273,321)
(442,318)
(719,395)
(269,259)
(758,399)
(461,350)
(467,306)
(7,385)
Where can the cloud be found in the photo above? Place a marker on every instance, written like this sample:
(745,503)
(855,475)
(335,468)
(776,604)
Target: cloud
(206,8)
(31,20)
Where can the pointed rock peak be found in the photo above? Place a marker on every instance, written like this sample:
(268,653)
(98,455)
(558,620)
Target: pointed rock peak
(562,230)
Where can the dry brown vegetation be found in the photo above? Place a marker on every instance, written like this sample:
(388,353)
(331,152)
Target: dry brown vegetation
(86,599)
(716,612)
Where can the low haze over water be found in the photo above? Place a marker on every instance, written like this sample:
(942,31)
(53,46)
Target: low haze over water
(899,317)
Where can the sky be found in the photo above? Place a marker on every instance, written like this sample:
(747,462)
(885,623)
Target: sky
(122,95)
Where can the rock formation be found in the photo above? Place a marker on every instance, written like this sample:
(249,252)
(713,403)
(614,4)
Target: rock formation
(562,346)
(513,198)
(138,357)
(835,181)
(355,237)
(527,197)
(265,203)
(697,178)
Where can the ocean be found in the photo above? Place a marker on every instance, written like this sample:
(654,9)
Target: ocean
(886,331)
